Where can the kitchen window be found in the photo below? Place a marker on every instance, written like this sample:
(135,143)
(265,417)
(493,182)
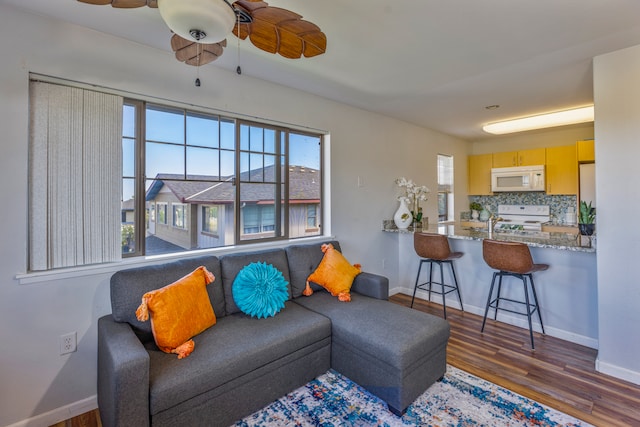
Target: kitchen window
(445,188)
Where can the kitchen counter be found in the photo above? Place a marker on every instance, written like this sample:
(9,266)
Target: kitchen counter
(567,291)
(538,239)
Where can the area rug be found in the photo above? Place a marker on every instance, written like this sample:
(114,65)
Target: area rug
(459,399)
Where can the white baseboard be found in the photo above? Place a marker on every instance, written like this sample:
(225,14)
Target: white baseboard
(60,414)
(618,372)
(507,318)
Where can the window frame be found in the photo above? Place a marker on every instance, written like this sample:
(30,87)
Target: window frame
(281,225)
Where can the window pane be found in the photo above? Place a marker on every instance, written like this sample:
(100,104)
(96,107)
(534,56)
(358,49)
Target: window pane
(202,130)
(304,150)
(202,162)
(128,157)
(164,124)
(227,134)
(256,138)
(445,187)
(257,212)
(244,137)
(128,215)
(129,121)
(227,163)
(244,163)
(269,141)
(256,167)
(304,185)
(164,159)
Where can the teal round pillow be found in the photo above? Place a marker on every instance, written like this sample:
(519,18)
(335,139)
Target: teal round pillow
(260,290)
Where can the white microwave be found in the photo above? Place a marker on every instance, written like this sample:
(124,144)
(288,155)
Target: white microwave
(519,178)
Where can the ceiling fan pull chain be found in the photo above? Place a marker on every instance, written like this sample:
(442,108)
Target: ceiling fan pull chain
(198,65)
(238,69)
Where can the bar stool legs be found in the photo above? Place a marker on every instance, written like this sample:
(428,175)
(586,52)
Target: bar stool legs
(444,287)
(530,307)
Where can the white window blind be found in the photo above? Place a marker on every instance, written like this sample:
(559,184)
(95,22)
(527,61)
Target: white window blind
(75,170)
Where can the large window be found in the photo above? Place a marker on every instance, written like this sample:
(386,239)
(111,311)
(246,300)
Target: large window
(224,181)
(445,188)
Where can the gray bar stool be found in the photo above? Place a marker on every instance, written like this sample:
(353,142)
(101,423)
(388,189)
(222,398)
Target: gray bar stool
(434,248)
(512,259)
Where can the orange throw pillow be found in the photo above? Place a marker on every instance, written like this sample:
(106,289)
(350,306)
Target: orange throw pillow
(334,273)
(179,311)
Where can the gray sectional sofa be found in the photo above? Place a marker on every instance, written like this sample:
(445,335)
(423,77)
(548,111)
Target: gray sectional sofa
(242,363)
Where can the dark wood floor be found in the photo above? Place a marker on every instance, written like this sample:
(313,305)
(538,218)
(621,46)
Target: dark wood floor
(558,373)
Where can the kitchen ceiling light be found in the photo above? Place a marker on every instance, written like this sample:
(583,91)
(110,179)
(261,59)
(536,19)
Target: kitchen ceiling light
(541,121)
(201,21)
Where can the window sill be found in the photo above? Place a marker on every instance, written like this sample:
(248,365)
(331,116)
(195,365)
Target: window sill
(112,267)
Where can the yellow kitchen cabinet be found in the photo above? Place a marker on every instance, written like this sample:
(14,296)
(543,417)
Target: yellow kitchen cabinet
(562,170)
(586,151)
(507,159)
(479,174)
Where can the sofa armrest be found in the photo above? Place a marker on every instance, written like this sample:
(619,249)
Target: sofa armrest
(372,285)
(123,375)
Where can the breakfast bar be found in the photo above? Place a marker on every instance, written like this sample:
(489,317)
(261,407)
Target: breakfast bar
(567,291)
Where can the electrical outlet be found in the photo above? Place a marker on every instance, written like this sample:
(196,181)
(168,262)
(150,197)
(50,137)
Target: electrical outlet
(68,343)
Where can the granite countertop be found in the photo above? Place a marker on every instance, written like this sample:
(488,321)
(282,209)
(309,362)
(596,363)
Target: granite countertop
(554,240)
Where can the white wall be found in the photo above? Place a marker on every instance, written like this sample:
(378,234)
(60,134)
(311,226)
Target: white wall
(35,382)
(617,134)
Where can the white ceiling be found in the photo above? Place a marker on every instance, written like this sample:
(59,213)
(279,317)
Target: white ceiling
(435,63)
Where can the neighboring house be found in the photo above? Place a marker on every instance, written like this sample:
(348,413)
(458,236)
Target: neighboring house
(200,213)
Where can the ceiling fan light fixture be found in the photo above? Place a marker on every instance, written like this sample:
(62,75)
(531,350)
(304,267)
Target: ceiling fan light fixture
(541,121)
(202,21)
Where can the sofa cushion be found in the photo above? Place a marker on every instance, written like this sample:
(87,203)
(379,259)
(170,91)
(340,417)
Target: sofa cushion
(128,286)
(393,334)
(230,266)
(179,311)
(334,273)
(303,260)
(236,346)
(260,290)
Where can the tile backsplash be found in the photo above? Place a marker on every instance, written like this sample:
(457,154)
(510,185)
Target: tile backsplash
(557,204)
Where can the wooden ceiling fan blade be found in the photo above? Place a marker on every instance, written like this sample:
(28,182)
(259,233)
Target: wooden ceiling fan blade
(277,30)
(124,4)
(205,58)
(304,36)
(275,15)
(97,2)
(314,44)
(128,4)
(291,46)
(193,53)
(264,36)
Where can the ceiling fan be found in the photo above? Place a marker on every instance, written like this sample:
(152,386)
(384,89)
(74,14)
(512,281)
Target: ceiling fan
(200,27)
